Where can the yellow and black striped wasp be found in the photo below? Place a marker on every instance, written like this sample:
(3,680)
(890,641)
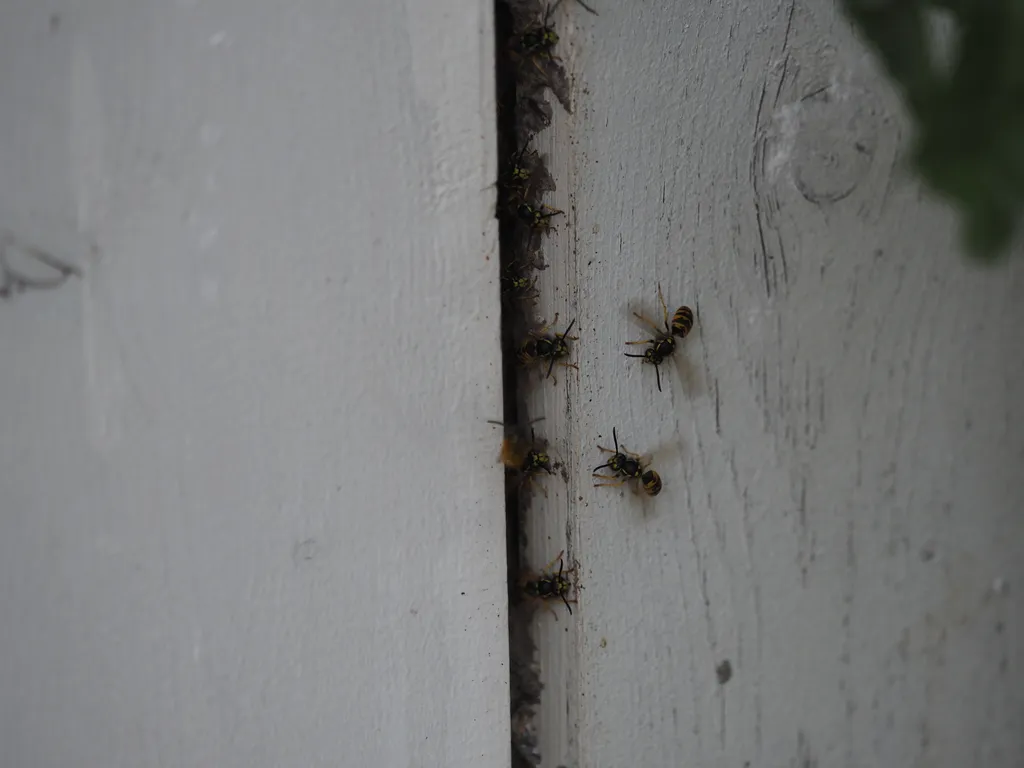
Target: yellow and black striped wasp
(543,346)
(626,466)
(664,342)
(517,285)
(523,178)
(537,217)
(549,585)
(538,38)
(525,458)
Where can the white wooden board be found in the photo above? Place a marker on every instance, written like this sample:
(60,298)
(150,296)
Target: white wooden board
(249,508)
(840,438)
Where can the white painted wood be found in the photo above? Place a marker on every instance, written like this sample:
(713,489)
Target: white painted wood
(840,439)
(250,513)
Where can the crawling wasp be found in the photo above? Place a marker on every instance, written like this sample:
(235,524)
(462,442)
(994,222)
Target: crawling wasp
(539,37)
(548,585)
(516,177)
(525,176)
(628,466)
(516,285)
(528,459)
(541,346)
(536,218)
(664,342)
(682,322)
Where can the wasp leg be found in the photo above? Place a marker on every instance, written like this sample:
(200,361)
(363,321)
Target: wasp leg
(555,559)
(664,309)
(540,334)
(536,63)
(554,379)
(645,341)
(587,7)
(540,601)
(648,322)
(612,485)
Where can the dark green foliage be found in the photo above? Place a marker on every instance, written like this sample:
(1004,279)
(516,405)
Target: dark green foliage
(968,111)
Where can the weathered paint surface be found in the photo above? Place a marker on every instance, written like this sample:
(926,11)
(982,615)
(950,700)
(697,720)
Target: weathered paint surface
(250,513)
(840,439)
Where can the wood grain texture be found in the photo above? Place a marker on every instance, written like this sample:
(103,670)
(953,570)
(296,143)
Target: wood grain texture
(840,438)
(250,513)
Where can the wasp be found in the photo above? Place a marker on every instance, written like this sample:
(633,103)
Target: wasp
(541,346)
(528,459)
(549,585)
(628,466)
(537,218)
(516,285)
(682,322)
(523,177)
(539,38)
(664,342)
(519,168)
(516,177)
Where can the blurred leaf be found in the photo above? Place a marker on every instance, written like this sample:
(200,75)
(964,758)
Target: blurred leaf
(968,112)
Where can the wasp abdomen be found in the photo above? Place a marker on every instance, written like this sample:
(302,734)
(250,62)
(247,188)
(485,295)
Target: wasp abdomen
(682,322)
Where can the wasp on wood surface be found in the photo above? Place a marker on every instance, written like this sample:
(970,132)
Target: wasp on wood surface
(526,458)
(537,39)
(627,466)
(551,347)
(664,342)
(537,217)
(523,178)
(550,585)
(516,284)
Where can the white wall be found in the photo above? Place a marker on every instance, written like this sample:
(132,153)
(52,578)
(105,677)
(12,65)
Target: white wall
(249,507)
(841,439)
